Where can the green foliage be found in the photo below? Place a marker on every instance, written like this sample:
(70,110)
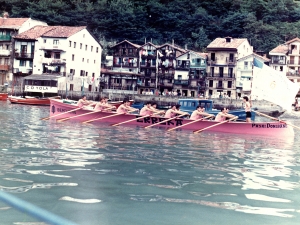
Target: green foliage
(266,23)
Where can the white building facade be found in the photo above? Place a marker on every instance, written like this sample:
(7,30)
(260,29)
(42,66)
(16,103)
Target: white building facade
(71,53)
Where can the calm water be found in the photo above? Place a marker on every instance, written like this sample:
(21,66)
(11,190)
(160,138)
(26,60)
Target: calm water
(127,175)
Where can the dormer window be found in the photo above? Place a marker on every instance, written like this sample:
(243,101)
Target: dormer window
(228,39)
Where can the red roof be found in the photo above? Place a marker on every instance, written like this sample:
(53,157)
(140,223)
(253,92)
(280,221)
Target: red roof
(283,49)
(49,31)
(12,23)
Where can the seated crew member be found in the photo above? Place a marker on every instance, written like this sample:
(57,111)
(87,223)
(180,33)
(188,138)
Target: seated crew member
(154,106)
(83,102)
(223,115)
(101,105)
(147,110)
(125,107)
(173,111)
(108,105)
(199,113)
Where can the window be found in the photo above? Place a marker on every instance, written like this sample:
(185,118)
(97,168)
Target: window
(91,48)
(70,43)
(71,87)
(245,65)
(229,85)
(86,47)
(80,45)
(6,60)
(170,81)
(30,64)
(90,87)
(211,83)
(56,55)
(82,72)
(45,40)
(74,44)
(179,77)
(94,61)
(87,60)
(73,57)
(82,59)
(72,71)
(55,42)
(86,74)
(84,35)
(22,62)
(97,49)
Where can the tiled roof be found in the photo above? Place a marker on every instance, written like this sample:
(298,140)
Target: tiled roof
(149,43)
(201,54)
(293,40)
(63,31)
(12,23)
(174,46)
(280,49)
(49,31)
(221,43)
(135,45)
(265,59)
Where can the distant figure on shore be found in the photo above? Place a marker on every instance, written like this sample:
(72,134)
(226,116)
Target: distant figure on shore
(247,109)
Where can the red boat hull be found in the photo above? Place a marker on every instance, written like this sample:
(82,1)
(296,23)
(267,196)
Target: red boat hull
(30,100)
(3,96)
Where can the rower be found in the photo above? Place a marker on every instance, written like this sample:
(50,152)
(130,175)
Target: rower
(101,105)
(154,106)
(83,102)
(173,111)
(147,110)
(199,113)
(107,104)
(125,107)
(223,115)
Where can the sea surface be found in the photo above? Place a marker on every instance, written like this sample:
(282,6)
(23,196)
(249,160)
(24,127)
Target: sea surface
(103,175)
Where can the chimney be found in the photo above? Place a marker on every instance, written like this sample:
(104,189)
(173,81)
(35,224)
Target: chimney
(185,46)
(5,15)
(228,39)
(173,42)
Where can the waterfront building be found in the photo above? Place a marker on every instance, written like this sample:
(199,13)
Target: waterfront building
(244,73)
(122,75)
(286,58)
(59,58)
(8,28)
(223,54)
(190,74)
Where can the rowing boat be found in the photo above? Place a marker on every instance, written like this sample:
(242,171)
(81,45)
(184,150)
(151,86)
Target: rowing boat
(277,129)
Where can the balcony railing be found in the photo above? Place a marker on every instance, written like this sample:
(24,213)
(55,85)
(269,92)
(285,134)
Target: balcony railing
(52,61)
(125,54)
(185,68)
(4,67)
(293,62)
(24,55)
(147,65)
(166,76)
(221,86)
(51,46)
(197,65)
(278,61)
(165,84)
(181,82)
(230,61)
(125,65)
(221,75)
(147,84)
(294,52)
(6,37)
(4,52)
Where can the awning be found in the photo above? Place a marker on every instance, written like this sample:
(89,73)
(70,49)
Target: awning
(42,77)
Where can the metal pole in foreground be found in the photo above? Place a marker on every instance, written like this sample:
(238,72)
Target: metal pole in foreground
(33,210)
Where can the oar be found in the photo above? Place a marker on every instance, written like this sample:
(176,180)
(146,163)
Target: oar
(47,118)
(117,114)
(71,117)
(152,125)
(273,118)
(226,121)
(127,121)
(189,123)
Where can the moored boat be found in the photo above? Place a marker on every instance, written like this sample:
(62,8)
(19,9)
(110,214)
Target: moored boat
(3,96)
(28,100)
(277,129)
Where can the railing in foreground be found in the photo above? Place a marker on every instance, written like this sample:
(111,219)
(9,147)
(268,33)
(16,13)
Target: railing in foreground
(33,210)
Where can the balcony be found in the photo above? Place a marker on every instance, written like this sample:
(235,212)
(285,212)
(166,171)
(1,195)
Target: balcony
(126,54)
(167,76)
(52,61)
(147,65)
(293,62)
(184,68)
(278,61)
(4,67)
(294,52)
(198,65)
(126,64)
(146,84)
(221,75)
(23,55)
(51,47)
(211,61)
(4,52)
(148,57)
(5,37)
(231,61)
(181,82)
(165,84)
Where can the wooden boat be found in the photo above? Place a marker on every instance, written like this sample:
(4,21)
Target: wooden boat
(3,96)
(28,100)
(277,129)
